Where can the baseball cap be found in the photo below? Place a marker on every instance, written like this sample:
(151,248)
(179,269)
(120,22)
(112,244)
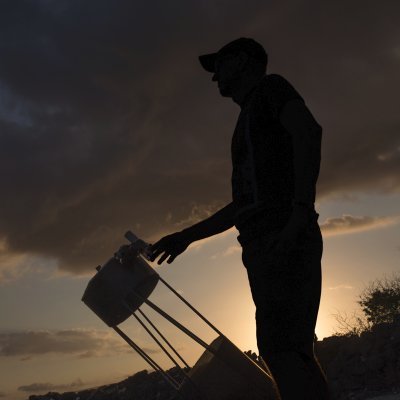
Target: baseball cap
(249,46)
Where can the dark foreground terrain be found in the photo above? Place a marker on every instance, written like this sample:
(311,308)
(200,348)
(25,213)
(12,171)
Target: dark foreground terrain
(358,368)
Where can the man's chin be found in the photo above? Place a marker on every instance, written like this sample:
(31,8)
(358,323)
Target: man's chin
(225,92)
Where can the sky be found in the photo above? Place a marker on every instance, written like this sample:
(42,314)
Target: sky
(108,123)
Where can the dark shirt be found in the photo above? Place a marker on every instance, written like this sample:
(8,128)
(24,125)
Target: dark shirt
(262,158)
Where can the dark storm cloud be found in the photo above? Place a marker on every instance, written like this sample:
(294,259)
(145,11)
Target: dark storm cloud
(47,387)
(82,343)
(108,122)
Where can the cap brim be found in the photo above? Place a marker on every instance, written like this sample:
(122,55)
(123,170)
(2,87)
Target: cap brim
(207,61)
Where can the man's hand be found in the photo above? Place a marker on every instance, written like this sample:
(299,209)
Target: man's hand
(171,245)
(289,237)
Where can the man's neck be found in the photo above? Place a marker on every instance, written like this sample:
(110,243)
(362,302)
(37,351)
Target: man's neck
(246,89)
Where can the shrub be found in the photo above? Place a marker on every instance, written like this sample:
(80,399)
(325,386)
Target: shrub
(380,303)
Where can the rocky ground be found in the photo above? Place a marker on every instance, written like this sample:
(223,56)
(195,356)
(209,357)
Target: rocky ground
(143,385)
(361,367)
(365,367)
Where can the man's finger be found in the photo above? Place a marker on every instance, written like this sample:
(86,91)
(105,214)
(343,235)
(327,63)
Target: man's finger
(156,253)
(172,258)
(164,256)
(155,246)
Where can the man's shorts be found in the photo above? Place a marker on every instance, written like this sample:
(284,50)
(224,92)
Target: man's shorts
(286,289)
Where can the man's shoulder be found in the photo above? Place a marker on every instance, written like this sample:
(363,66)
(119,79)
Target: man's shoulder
(274,78)
(275,91)
(272,85)
(277,82)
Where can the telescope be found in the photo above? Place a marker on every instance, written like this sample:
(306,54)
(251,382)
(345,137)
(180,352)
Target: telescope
(120,288)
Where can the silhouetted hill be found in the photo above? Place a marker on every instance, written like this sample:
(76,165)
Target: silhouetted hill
(358,368)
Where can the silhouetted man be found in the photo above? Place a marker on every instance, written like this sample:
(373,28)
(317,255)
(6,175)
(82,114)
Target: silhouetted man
(276,150)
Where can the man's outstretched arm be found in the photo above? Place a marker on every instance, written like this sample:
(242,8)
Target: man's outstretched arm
(176,243)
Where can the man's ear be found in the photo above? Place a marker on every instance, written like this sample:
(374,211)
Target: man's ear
(242,58)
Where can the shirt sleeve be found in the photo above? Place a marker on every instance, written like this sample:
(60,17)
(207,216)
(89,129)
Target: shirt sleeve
(280,91)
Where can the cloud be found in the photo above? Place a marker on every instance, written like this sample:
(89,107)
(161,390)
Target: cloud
(115,125)
(80,343)
(231,250)
(342,286)
(48,387)
(14,266)
(228,252)
(351,224)
(198,212)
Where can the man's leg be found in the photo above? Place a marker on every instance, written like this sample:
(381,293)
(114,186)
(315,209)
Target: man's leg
(297,376)
(319,377)
(286,289)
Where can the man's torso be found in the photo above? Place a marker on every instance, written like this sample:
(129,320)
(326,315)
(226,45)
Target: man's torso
(262,158)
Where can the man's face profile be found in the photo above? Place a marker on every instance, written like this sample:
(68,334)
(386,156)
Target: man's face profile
(227,72)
